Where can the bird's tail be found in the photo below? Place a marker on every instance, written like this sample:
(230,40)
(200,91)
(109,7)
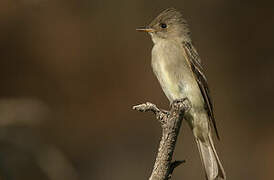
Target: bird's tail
(210,160)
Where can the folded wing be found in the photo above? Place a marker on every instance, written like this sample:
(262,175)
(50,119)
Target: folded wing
(197,69)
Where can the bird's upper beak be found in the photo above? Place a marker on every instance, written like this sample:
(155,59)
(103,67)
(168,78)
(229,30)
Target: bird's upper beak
(145,29)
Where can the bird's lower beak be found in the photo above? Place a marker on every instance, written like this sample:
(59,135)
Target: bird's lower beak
(145,29)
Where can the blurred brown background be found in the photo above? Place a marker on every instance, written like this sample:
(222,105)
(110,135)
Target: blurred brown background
(70,70)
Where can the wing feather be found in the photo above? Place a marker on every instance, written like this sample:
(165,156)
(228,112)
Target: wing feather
(197,69)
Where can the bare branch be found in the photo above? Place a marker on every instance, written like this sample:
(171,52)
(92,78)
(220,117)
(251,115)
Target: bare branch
(171,123)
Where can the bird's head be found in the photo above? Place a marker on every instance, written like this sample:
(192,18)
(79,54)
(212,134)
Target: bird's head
(169,24)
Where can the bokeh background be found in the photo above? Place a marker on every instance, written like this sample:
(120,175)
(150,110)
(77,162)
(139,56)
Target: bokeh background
(70,71)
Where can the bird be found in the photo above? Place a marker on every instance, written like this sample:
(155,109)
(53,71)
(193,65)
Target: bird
(177,66)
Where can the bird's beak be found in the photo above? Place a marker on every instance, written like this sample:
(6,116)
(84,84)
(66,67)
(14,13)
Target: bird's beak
(145,29)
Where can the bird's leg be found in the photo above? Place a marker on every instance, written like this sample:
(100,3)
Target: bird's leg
(183,103)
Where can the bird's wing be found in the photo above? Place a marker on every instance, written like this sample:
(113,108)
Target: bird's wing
(197,69)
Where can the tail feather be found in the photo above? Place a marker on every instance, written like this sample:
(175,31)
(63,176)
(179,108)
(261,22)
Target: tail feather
(210,160)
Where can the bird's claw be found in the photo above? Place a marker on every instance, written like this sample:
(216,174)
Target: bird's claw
(180,104)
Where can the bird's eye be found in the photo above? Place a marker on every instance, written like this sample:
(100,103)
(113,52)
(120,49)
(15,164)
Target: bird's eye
(163,25)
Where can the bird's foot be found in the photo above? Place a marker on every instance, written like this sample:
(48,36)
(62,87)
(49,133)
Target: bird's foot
(181,104)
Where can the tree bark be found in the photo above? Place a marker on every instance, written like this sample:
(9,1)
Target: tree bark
(170,123)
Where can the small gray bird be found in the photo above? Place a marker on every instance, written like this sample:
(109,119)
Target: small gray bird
(177,66)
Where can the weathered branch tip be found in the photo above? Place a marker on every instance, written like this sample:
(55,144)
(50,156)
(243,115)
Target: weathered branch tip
(171,123)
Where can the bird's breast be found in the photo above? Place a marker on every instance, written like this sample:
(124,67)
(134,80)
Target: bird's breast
(174,72)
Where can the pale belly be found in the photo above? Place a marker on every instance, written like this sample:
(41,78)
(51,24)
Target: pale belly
(177,81)
(174,73)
